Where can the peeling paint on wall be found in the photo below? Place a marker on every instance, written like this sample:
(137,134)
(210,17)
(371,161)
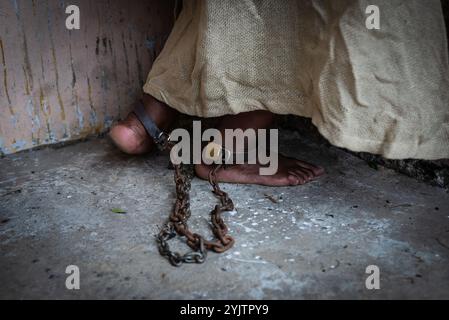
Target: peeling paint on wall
(58,84)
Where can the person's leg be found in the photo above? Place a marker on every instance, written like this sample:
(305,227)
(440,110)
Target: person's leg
(130,136)
(290,171)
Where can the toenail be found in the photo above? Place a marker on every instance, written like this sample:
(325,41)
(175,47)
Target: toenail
(294,179)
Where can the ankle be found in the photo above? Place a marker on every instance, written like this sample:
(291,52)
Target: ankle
(259,119)
(160,112)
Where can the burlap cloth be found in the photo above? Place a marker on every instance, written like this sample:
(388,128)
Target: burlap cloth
(381,91)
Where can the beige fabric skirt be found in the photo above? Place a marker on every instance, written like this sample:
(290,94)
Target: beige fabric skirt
(382,91)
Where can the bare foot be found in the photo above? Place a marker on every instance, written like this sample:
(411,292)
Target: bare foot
(291,172)
(130,136)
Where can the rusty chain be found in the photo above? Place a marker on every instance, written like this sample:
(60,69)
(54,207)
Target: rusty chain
(177,223)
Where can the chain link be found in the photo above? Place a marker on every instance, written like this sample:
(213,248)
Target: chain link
(177,221)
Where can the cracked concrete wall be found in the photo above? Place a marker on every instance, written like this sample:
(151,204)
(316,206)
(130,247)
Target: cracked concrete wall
(58,84)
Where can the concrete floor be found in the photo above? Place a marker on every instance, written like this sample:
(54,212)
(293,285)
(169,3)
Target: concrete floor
(316,242)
